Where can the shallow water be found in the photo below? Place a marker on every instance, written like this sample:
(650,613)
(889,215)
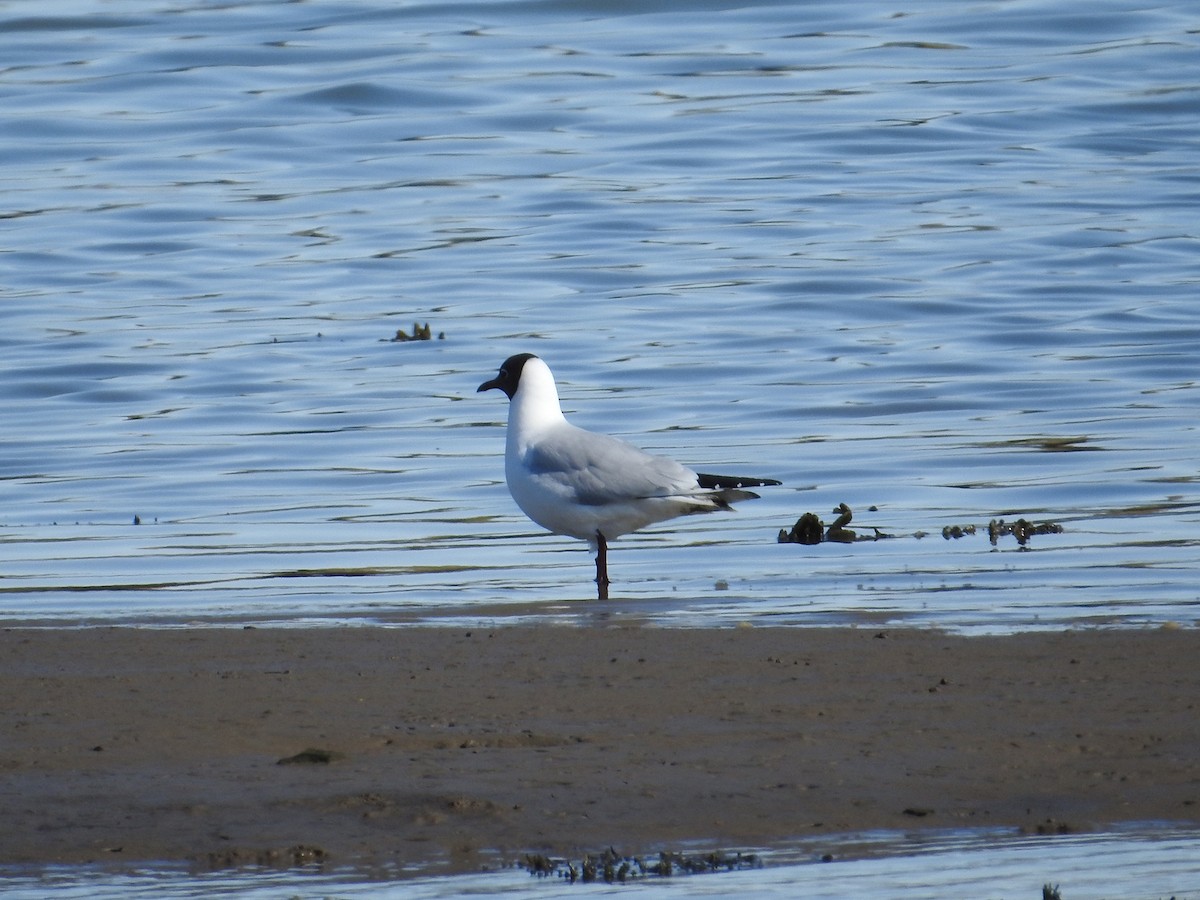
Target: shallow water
(940,262)
(882,865)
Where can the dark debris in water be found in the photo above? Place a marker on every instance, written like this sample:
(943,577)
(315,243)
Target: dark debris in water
(809,529)
(954,532)
(1051,826)
(612,867)
(419,333)
(1049,443)
(1021,529)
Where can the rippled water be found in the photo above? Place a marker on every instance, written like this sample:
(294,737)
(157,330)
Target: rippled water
(881,866)
(940,261)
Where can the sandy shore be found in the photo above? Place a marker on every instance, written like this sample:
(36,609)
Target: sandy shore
(123,745)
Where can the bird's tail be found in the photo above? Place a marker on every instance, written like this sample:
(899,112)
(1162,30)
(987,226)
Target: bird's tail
(725,498)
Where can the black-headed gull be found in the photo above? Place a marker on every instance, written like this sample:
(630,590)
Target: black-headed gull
(591,486)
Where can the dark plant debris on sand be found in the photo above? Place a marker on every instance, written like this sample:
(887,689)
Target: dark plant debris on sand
(611,867)
(809,529)
(302,856)
(311,755)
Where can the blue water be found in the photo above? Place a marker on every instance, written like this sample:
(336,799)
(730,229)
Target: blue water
(939,262)
(1130,864)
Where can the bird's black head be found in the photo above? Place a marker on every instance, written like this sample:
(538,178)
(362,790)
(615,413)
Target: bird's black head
(510,375)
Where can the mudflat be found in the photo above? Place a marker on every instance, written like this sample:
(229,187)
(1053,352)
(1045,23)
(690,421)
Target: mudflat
(442,747)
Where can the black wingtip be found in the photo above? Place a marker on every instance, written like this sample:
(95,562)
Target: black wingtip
(719,482)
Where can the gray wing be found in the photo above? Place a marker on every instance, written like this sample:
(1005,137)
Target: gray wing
(596,469)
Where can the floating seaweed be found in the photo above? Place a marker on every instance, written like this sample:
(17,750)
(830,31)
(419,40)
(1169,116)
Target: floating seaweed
(809,529)
(838,532)
(954,532)
(419,333)
(1021,529)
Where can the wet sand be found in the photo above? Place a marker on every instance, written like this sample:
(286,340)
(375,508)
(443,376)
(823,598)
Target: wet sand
(448,746)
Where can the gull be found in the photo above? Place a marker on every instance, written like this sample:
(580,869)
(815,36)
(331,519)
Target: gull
(592,486)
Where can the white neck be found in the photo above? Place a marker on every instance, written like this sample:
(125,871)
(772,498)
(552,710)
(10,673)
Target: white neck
(535,405)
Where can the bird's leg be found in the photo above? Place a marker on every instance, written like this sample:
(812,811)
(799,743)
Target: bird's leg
(601,567)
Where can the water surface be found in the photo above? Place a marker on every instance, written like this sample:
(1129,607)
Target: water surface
(941,262)
(881,866)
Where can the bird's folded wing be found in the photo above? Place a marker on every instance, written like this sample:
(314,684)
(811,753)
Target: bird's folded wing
(596,469)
